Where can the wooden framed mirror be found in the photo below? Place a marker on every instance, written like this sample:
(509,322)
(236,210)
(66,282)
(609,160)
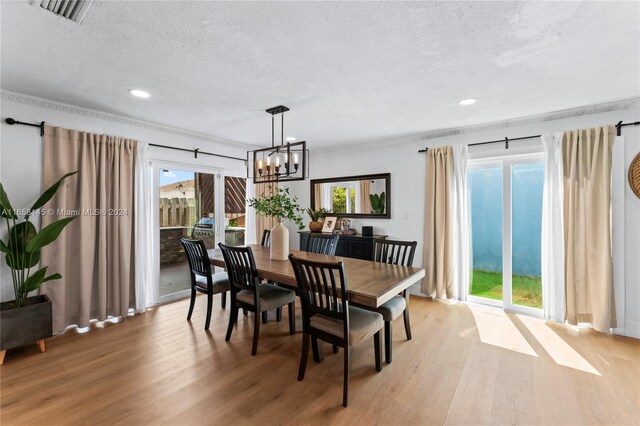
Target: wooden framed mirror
(364,196)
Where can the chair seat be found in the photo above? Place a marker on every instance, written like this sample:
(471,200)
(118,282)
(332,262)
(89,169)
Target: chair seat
(270,296)
(220,282)
(392,309)
(362,324)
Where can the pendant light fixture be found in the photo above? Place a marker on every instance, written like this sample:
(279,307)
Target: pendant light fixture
(278,163)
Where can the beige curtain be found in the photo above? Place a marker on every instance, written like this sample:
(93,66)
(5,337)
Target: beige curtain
(264,222)
(95,252)
(317,196)
(365,191)
(437,257)
(587,227)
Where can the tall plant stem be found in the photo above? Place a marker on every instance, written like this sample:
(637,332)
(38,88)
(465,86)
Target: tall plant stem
(23,260)
(14,277)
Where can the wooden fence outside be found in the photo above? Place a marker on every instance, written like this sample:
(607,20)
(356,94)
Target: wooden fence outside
(177,212)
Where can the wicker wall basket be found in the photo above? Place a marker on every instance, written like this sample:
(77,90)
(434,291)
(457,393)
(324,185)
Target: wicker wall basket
(634,175)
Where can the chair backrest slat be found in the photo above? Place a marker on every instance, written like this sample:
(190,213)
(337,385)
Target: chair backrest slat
(241,268)
(197,256)
(266,238)
(394,252)
(322,287)
(322,244)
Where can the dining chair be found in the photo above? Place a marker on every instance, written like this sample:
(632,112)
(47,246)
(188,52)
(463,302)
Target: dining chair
(266,238)
(202,280)
(327,315)
(266,242)
(396,253)
(248,292)
(322,244)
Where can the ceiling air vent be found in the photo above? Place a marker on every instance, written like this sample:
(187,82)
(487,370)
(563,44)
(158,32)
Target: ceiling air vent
(70,9)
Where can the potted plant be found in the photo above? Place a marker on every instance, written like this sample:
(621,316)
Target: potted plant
(315,225)
(283,207)
(27,319)
(377,202)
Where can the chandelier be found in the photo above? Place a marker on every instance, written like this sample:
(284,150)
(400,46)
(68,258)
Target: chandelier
(278,163)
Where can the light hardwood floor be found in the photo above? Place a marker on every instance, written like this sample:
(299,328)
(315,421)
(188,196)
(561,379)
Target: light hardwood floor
(465,365)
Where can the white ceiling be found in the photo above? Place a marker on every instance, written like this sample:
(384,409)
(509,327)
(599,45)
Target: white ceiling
(349,71)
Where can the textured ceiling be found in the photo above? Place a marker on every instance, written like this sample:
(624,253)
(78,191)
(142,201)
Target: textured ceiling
(350,71)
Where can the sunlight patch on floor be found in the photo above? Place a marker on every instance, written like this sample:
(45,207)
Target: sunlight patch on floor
(559,350)
(495,328)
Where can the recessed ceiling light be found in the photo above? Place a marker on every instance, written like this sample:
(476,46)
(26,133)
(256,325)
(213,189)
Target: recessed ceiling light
(139,93)
(469,101)
(290,139)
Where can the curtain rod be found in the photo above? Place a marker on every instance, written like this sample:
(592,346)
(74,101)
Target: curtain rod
(506,140)
(195,151)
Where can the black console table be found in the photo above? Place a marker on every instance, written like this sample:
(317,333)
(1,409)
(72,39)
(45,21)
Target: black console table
(355,246)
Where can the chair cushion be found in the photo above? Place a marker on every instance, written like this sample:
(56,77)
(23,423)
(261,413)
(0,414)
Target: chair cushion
(220,282)
(362,324)
(392,309)
(270,296)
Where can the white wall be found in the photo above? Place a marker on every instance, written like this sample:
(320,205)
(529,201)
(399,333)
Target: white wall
(21,150)
(407,168)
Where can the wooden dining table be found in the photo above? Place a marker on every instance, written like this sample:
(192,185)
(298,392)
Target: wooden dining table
(368,283)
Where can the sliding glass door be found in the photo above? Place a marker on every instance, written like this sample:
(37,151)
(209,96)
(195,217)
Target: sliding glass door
(505,207)
(187,208)
(486,231)
(199,203)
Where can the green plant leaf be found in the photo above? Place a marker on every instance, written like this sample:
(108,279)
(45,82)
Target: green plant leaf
(6,210)
(48,234)
(4,248)
(52,277)
(279,205)
(50,192)
(377,202)
(316,215)
(23,260)
(37,279)
(34,280)
(19,237)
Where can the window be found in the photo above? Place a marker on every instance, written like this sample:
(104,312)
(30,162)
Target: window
(343,199)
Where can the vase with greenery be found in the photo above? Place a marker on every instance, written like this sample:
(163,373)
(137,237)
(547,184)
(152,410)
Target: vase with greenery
(315,225)
(22,255)
(377,202)
(282,206)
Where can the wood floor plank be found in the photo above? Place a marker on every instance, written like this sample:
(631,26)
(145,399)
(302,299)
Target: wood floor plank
(158,368)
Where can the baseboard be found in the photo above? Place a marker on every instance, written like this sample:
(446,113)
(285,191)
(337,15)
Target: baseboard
(630,329)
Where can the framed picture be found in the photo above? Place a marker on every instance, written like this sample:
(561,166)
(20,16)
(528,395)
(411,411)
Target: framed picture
(329,223)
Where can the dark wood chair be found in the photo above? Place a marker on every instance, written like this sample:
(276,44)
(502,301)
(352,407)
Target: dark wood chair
(395,253)
(202,280)
(266,242)
(266,238)
(327,316)
(322,244)
(248,292)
